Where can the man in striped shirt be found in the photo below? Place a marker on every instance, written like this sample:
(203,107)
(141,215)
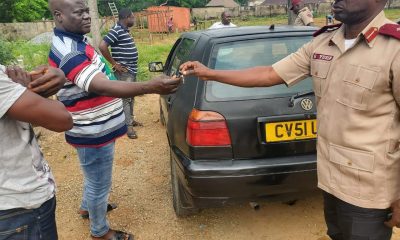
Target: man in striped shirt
(124,58)
(96,108)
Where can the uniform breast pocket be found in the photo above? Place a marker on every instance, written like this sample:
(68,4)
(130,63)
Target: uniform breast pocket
(319,72)
(357,86)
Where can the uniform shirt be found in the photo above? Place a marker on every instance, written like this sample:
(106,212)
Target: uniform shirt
(221,25)
(358,95)
(25,177)
(123,48)
(98,120)
(304,17)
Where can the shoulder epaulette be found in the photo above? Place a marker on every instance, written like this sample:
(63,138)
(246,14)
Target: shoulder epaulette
(327,28)
(391,30)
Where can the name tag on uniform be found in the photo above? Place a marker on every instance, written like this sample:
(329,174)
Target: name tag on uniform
(323,57)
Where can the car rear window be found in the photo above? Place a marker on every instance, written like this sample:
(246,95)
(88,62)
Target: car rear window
(251,53)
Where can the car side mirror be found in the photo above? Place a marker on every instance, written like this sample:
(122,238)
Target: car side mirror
(156,67)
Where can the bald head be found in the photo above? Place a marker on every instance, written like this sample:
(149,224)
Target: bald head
(56,5)
(226,17)
(71,15)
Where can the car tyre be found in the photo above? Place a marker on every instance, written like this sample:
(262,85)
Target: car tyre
(179,197)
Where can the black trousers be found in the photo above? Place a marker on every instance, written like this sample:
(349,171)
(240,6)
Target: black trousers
(349,222)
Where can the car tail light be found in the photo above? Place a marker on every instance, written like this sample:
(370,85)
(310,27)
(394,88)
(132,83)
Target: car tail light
(206,128)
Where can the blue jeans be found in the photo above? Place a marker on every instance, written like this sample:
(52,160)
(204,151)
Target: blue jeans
(96,164)
(29,224)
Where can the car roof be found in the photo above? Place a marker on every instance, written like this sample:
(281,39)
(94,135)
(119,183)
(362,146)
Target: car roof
(252,30)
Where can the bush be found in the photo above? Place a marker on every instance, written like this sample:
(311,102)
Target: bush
(6,56)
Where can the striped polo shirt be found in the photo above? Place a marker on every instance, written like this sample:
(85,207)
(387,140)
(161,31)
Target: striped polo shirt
(98,120)
(123,48)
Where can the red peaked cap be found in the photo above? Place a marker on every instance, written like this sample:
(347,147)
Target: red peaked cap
(295,2)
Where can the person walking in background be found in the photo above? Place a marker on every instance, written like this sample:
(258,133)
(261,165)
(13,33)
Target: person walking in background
(170,25)
(225,21)
(330,20)
(124,60)
(96,108)
(194,21)
(356,74)
(27,187)
(304,15)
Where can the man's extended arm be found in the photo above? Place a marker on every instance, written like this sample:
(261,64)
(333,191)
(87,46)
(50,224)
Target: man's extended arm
(252,77)
(37,110)
(160,85)
(44,80)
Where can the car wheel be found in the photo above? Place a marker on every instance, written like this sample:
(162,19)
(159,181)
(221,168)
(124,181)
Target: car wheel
(179,197)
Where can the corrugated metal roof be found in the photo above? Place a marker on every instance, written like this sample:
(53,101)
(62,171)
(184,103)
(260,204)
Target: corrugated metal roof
(223,3)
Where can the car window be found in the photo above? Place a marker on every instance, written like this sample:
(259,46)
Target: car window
(171,55)
(182,53)
(251,53)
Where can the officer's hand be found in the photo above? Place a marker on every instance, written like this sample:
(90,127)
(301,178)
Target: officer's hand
(196,69)
(119,68)
(164,84)
(18,75)
(395,220)
(46,81)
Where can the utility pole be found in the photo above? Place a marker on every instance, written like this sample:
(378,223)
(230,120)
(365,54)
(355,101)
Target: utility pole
(95,28)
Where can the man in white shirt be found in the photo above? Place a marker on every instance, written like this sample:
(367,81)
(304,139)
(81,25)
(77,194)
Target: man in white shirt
(225,22)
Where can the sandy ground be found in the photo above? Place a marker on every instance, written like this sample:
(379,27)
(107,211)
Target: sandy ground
(141,188)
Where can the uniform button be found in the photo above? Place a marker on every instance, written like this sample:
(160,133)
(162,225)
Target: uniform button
(357,80)
(349,163)
(316,73)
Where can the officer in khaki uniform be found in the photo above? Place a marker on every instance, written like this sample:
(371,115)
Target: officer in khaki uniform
(304,15)
(356,73)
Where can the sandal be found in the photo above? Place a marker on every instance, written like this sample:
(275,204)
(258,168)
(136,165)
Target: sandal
(118,235)
(85,214)
(131,133)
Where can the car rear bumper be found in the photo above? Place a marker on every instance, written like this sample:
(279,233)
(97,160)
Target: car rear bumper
(211,183)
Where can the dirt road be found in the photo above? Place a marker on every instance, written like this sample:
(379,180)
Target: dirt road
(141,188)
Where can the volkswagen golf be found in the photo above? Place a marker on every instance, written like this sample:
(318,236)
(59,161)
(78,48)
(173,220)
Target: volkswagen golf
(230,143)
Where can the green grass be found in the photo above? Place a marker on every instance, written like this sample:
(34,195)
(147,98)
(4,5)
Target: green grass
(392,14)
(151,53)
(29,55)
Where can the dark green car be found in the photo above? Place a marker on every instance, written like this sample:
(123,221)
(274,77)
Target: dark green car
(231,143)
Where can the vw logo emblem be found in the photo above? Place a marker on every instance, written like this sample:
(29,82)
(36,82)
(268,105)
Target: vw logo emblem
(306,104)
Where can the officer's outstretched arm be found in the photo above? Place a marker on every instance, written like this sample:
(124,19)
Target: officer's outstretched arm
(263,76)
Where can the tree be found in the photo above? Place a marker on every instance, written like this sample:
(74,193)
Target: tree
(95,28)
(7,16)
(23,10)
